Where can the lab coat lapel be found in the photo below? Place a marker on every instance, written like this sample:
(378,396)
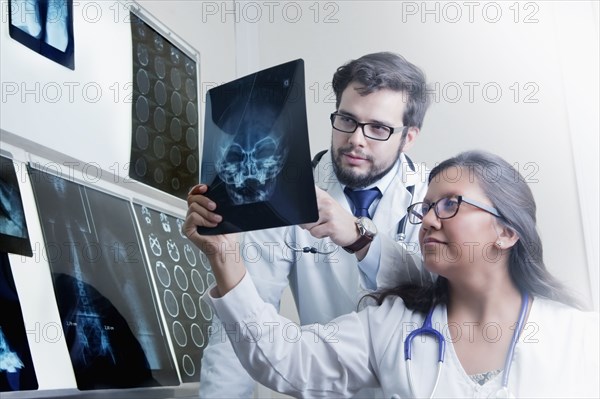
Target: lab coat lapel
(341,260)
(393,204)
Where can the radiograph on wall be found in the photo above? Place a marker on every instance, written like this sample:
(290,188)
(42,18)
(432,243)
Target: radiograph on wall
(164,149)
(182,275)
(102,285)
(44,26)
(14,236)
(256,156)
(16,366)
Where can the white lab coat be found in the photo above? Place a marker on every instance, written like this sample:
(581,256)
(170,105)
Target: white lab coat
(324,286)
(556,357)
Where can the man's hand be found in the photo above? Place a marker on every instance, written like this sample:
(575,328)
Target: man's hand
(334,221)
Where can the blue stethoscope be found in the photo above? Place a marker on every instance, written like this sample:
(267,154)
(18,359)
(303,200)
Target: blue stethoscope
(427,329)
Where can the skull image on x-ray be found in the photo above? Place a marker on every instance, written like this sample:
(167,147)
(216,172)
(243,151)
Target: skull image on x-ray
(253,153)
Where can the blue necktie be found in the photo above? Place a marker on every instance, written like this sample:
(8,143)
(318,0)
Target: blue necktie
(362,200)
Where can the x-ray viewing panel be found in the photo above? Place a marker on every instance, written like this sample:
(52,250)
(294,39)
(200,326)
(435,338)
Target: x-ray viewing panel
(14,237)
(181,277)
(256,155)
(16,366)
(103,287)
(164,147)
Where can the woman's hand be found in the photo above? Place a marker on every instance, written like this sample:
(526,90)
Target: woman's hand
(222,250)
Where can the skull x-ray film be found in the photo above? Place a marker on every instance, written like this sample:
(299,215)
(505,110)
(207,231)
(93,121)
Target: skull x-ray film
(16,366)
(182,275)
(103,287)
(14,236)
(256,155)
(44,26)
(164,142)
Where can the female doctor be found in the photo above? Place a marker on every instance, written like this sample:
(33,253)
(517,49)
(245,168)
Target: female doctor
(494,324)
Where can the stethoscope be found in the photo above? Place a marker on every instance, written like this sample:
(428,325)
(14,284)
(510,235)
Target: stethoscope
(427,329)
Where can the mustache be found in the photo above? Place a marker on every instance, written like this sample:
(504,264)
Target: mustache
(354,150)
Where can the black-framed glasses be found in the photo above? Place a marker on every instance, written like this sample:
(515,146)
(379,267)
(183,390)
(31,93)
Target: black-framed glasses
(374,131)
(445,208)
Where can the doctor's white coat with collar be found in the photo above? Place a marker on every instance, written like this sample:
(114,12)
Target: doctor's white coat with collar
(557,355)
(324,286)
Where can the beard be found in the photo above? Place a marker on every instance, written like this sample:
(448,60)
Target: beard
(348,177)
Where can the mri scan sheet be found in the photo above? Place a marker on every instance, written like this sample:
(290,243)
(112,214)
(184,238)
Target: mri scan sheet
(164,147)
(182,275)
(256,154)
(103,287)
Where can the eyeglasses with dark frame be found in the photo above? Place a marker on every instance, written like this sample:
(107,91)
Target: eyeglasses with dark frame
(445,208)
(374,131)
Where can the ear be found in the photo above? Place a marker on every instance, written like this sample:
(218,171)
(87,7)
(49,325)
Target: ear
(411,135)
(507,237)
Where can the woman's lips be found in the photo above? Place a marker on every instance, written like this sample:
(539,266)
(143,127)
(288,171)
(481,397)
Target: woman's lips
(432,241)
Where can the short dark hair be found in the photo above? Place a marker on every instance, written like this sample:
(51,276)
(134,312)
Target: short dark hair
(386,70)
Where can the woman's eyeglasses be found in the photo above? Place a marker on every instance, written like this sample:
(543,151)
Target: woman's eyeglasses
(444,208)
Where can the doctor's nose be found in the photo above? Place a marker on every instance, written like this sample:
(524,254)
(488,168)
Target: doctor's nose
(358,138)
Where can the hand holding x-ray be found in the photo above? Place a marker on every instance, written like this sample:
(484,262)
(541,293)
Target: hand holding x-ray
(222,250)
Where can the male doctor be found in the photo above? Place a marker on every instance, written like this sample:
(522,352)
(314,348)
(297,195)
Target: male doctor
(361,241)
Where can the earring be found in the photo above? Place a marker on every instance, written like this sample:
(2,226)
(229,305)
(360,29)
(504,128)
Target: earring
(499,244)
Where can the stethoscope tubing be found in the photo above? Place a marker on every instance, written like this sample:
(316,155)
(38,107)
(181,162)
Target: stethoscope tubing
(427,329)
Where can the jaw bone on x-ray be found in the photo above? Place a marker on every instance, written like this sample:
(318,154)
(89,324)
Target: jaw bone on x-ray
(256,155)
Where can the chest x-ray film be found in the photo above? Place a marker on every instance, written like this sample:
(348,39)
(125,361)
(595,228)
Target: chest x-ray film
(44,26)
(103,287)
(16,366)
(164,143)
(182,275)
(14,237)
(256,155)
